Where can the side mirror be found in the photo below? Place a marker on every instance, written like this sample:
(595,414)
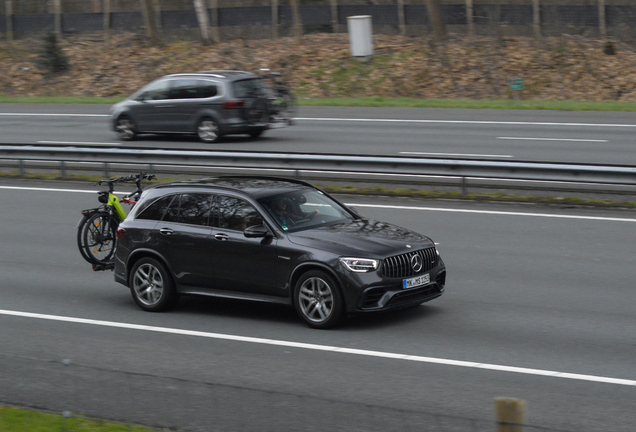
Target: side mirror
(354,210)
(257,231)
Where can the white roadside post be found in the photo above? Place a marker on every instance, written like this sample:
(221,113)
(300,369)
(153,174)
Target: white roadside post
(360,36)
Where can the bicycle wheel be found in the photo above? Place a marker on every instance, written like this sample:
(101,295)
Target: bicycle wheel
(99,238)
(286,105)
(81,227)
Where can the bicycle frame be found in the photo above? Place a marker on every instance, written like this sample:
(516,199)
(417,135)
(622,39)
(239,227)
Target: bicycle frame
(112,214)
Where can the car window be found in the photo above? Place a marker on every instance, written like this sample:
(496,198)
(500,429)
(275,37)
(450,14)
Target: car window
(183,89)
(156,210)
(172,212)
(237,214)
(207,89)
(154,91)
(305,209)
(248,88)
(195,209)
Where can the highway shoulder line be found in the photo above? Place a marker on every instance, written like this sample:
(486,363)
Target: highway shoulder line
(334,349)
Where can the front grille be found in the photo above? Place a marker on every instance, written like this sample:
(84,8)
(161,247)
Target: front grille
(399,266)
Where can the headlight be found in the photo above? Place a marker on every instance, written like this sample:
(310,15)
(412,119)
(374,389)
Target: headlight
(360,265)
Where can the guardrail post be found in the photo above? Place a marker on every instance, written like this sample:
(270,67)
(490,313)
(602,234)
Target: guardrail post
(510,413)
(106,171)
(62,169)
(463,185)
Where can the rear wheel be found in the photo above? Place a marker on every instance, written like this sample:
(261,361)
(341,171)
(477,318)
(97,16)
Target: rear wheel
(125,129)
(151,286)
(81,227)
(208,130)
(98,238)
(256,133)
(318,300)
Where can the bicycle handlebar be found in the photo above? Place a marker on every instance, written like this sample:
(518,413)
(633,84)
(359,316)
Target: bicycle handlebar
(124,179)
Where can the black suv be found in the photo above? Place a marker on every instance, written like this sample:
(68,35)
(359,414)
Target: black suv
(275,240)
(208,104)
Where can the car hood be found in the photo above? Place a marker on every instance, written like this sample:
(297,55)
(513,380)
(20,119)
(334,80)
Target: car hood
(369,238)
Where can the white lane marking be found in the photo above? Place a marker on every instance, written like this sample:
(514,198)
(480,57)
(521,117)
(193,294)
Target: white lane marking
(392,207)
(486,122)
(315,347)
(552,139)
(327,119)
(490,212)
(77,143)
(456,154)
(52,115)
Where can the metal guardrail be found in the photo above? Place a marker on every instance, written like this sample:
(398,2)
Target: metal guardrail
(329,166)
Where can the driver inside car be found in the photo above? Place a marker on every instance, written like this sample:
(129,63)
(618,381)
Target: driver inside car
(283,212)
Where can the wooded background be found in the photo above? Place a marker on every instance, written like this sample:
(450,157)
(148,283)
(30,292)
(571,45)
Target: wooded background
(214,20)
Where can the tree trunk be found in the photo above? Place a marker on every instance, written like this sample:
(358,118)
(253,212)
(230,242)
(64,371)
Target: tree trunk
(435,16)
(298,26)
(202,18)
(149,19)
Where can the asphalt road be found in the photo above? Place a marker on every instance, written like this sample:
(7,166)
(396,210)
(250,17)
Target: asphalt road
(549,290)
(520,135)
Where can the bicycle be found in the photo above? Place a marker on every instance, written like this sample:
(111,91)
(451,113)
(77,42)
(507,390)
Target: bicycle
(97,230)
(283,102)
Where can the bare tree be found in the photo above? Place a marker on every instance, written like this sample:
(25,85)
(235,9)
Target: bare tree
(298,26)
(202,17)
(435,16)
(148,13)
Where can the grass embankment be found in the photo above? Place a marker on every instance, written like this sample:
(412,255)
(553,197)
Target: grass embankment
(21,420)
(382,102)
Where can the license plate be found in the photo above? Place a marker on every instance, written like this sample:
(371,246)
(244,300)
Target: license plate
(416,281)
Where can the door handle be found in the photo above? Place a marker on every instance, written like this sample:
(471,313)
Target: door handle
(221,237)
(166,231)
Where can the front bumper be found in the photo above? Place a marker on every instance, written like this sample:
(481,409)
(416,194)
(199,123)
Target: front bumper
(370,292)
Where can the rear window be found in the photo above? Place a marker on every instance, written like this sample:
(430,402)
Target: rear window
(249,88)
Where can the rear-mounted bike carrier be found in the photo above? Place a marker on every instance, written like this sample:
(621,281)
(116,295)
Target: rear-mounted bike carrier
(102,267)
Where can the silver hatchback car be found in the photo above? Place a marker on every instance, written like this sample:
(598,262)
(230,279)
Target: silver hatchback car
(207,104)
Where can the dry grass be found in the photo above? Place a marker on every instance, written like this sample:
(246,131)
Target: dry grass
(319,65)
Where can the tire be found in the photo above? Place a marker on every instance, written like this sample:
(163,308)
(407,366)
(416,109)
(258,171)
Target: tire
(81,227)
(256,133)
(99,238)
(151,286)
(125,129)
(318,300)
(208,130)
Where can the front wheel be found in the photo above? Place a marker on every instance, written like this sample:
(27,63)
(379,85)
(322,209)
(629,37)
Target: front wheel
(98,238)
(151,286)
(208,130)
(318,300)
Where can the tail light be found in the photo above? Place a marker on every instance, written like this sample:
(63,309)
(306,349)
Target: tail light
(120,233)
(234,104)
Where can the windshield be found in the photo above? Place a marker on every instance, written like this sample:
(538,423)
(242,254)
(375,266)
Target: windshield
(302,210)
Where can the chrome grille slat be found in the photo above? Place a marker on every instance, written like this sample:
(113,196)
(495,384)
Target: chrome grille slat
(399,266)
